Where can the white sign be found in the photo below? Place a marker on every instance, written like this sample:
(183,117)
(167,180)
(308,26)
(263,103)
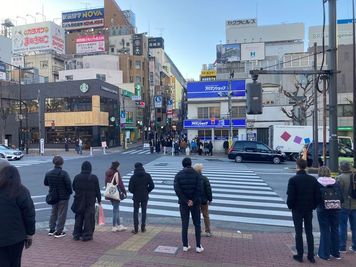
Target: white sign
(241,22)
(158,101)
(136,98)
(42,146)
(253,51)
(37,37)
(90,44)
(18,61)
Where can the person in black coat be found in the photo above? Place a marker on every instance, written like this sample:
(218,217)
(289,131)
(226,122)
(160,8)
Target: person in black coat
(17,224)
(58,182)
(87,190)
(303,197)
(140,185)
(187,185)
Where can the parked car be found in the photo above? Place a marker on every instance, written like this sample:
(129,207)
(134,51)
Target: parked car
(9,153)
(345,153)
(254,151)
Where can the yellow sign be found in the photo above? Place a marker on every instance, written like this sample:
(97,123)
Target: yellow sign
(208,73)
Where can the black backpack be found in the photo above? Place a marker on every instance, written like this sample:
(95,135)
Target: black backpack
(332,197)
(352,188)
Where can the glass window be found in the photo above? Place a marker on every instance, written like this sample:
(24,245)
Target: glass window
(129,117)
(101,77)
(262,148)
(46,79)
(137,64)
(204,135)
(238,112)
(203,112)
(69,77)
(345,110)
(214,112)
(137,79)
(44,64)
(68,104)
(32,106)
(109,105)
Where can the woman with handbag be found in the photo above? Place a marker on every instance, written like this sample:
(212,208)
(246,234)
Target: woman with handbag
(113,177)
(87,190)
(17,224)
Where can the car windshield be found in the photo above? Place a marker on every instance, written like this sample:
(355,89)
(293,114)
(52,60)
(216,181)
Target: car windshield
(4,147)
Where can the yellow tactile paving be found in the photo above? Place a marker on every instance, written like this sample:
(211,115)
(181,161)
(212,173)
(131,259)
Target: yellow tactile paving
(136,242)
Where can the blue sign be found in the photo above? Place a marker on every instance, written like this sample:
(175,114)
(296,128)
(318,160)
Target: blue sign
(2,67)
(122,114)
(211,89)
(344,21)
(83,19)
(170,102)
(196,124)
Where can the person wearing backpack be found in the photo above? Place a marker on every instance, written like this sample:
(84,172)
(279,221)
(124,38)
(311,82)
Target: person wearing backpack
(347,182)
(328,214)
(303,198)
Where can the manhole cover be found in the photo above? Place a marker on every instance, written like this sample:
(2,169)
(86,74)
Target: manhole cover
(166,249)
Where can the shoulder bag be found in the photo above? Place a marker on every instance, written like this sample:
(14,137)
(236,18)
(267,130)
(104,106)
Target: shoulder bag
(111,190)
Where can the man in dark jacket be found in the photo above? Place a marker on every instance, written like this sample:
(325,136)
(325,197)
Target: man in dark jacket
(140,185)
(303,197)
(187,185)
(60,184)
(87,190)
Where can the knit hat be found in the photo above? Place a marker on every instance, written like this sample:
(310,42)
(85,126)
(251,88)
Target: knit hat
(86,166)
(138,165)
(345,166)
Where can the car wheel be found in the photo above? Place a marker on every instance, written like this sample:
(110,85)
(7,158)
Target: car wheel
(238,159)
(276,160)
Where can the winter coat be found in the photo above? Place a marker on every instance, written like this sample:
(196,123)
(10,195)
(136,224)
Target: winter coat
(109,174)
(323,182)
(303,192)
(140,185)
(206,195)
(59,179)
(17,217)
(187,185)
(86,188)
(344,181)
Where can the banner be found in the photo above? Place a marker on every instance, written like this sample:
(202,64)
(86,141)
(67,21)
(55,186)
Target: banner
(196,124)
(137,45)
(228,53)
(90,44)
(209,89)
(83,19)
(38,37)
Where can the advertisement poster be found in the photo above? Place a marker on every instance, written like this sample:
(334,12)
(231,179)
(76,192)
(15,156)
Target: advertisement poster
(83,19)
(253,51)
(90,44)
(209,89)
(38,37)
(228,53)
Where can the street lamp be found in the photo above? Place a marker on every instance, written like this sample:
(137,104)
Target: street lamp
(28,15)
(19,17)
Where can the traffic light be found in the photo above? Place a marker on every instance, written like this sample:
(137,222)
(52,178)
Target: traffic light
(253,98)
(140,104)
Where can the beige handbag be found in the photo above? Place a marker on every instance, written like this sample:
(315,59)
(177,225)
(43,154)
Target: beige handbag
(111,190)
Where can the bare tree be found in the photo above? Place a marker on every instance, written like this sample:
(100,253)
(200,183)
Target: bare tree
(302,99)
(4,113)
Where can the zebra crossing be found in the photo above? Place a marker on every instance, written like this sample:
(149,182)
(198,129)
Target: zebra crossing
(30,162)
(137,152)
(238,196)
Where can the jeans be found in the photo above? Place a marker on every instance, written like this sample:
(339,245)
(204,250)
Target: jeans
(137,205)
(58,216)
(115,212)
(329,233)
(85,224)
(205,212)
(184,214)
(298,218)
(345,216)
(10,256)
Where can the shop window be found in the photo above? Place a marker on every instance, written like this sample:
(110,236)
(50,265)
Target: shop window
(204,135)
(129,117)
(108,105)
(101,77)
(238,112)
(68,104)
(44,64)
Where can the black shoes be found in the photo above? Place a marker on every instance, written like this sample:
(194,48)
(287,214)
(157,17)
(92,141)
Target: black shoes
(134,231)
(143,229)
(311,259)
(298,258)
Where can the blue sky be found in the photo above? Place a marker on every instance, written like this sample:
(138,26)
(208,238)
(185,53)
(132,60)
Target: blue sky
(191,28)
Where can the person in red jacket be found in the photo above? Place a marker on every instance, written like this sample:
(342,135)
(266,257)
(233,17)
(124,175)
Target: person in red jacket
(109,175)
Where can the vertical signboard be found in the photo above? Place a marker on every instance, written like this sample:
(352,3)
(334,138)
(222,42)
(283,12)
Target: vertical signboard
(158,101)
(2,71)
(137,44)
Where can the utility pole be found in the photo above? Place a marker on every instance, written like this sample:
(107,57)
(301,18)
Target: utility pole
(230,109)
(21,143)
(333,142)
(324,78)
(315,113)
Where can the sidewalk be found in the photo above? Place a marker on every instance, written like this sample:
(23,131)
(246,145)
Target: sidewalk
(223,249)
